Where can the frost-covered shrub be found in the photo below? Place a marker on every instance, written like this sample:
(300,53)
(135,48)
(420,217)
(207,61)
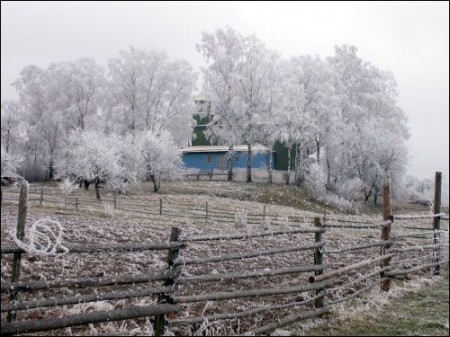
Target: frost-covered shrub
(341,204)
(109,209)
(66,186)
(119,185)
(241,218)
(315,181)
(266,222)
(350,189)
(283,221)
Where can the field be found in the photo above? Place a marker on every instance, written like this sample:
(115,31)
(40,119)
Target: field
(198,209)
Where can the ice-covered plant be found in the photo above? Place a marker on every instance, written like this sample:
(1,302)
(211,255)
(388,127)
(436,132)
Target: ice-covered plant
(240,218)
(283,221)
(66,186)
(109,209)
(266,223)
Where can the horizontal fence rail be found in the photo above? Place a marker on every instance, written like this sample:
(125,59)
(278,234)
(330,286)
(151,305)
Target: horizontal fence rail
(85,318)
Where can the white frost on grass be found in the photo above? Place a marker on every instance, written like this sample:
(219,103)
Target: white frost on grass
(280,332)
(369,304)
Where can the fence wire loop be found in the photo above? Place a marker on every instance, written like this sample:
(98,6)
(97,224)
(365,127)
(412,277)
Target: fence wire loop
(43,238)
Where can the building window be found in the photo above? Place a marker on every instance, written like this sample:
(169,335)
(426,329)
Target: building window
(208,158)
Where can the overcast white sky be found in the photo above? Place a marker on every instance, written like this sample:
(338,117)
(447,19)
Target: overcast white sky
(409,38)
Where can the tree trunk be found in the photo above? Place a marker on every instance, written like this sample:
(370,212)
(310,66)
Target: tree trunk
(230,163)
(375,195)
(7,138)
(50,169)
(155,185)
(367,195)
(81,121)
(97,188)
(289,165)
(249,164)
(86,184)
(328,172)
(270,168)
(298,159)
(318,151)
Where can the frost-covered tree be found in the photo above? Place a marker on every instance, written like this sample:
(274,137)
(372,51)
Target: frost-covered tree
(158,157)
(371,141)
(38,100)
(79,88)
(10,125)
(294,119)
(9,163)
(150,92)
(91,157)
(238,73)
(14,137)
(268,122)
(222,51)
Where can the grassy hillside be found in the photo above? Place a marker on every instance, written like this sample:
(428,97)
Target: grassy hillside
(280,195)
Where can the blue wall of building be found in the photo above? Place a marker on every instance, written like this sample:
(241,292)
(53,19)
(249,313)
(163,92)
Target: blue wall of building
(217,160)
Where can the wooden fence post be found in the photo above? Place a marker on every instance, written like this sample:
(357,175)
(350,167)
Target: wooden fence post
(160,320)
(115,200)
(41,198)
(206,213)
(15,272)
(437,219)
(318,261)
(76,204)
(160,206)
(386,230)
(264,213)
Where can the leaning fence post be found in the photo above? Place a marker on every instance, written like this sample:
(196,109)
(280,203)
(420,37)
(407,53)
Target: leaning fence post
(318,261)
(41,198)
(386,230)
(160,320)
(15,272)
(437,220)
(160,206)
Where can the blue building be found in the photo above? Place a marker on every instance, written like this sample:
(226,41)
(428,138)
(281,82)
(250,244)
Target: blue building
(215,157)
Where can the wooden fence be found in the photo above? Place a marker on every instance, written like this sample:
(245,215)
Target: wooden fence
(158,209)
(248,282)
